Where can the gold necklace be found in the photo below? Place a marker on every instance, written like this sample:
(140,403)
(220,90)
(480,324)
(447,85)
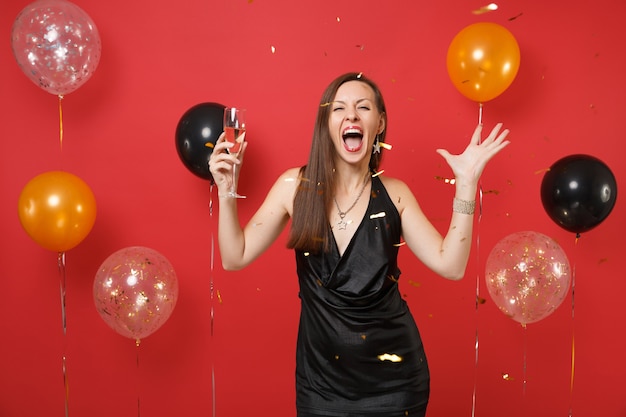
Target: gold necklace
(342,224)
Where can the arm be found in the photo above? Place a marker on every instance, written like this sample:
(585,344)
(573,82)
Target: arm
(448,255)
(240,246)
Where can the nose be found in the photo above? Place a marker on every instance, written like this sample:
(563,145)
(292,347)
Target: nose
(352,114)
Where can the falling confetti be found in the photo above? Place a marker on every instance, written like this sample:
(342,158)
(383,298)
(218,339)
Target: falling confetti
(390,357)
(486,9)
(507,377)
(515,17)
(273,49)
(446,180)
(209,145)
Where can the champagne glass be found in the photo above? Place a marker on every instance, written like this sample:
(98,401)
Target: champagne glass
(235,132)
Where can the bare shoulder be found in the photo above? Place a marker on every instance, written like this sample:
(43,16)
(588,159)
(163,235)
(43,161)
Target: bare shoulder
(284,189)
(399,192)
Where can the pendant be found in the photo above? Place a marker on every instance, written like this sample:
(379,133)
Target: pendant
(342,224)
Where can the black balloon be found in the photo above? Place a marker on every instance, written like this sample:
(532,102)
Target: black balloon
(578,192)
(196,135)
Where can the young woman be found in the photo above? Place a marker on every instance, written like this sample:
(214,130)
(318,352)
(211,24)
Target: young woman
(359,352)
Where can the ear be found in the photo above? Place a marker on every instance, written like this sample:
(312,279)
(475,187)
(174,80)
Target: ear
(382,123)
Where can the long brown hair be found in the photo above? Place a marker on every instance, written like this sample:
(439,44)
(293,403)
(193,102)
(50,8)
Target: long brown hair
(309,229)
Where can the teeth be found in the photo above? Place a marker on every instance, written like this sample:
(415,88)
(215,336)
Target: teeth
(352,131)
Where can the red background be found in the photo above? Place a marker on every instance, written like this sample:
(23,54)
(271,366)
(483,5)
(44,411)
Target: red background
(159,58)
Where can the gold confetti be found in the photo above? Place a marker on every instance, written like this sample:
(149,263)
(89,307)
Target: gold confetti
(363,337)
(378,173)
(390,357)
(541,171)
(415,284)
(486,9)
(325,104)
(507,377)
(385,145)
(219,297)
(209,145)
(397,245)
(273,49)
(445,180)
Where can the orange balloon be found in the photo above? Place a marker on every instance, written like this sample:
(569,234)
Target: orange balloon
(483,60)
(57,210)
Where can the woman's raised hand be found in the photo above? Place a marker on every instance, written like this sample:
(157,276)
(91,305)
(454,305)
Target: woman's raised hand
(469,165)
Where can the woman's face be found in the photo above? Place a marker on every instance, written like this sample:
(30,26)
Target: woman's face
(354,121)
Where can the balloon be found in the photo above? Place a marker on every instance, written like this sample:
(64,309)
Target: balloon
(56,44)
(135,291)
(528,276)
(57,210)
(578,192)
(196,135)
(483,60)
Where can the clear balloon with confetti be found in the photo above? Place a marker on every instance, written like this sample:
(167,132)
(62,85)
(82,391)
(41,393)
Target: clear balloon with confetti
(527,276)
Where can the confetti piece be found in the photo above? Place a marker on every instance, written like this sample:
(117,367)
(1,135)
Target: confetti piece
(338,19)
(515,17)
(361,47)
(385,145)
(219,297)
(378,215)
(378,173)
(392,278)
(496,192)
(399,244)
(390,357)
(360,75)
(486,9)
(507,377)
(363,337)
(541,171)
(273,49)
(325,104)
(480,300)
(415,284)
(209,145)
(446,180)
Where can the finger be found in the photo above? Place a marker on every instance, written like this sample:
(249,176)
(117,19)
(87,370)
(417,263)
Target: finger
(494,132)
(476,135)
(444,153)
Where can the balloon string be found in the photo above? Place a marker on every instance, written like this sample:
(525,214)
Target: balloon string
(211,291)
(137,345)
(60,121)
(478,298)
(525,362)
(62,273)
(571,382)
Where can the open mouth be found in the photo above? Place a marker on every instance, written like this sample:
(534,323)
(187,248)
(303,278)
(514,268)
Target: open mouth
(352,138)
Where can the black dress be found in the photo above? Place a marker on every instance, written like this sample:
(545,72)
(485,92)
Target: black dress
(359,352)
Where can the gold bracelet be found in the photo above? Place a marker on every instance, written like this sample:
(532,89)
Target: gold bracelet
(463,206)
